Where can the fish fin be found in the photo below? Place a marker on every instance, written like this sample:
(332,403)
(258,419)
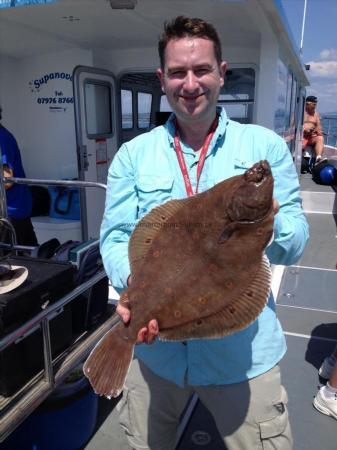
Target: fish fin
(240,313)
(147,229)
(109,362)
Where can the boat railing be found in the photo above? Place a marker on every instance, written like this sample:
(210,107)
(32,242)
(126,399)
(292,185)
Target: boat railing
(16,408)
(330,136)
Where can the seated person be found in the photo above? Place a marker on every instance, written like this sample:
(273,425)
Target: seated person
(312,129)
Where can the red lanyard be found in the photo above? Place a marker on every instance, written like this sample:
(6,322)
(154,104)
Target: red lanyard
(201,161)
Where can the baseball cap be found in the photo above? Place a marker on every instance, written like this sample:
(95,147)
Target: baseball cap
(12,277)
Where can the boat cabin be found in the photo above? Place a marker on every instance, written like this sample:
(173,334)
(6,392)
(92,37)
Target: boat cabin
(77,78)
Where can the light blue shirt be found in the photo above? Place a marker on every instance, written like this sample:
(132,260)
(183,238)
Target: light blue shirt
(145,173)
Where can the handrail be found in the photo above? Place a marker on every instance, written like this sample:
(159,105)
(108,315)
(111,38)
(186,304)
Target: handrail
(30,324)
(29,397)
(39,182)
(330,137)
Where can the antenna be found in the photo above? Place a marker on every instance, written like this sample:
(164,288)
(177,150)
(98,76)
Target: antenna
(303,24)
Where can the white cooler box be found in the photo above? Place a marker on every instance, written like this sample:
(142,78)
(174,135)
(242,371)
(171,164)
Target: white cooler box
(64,230)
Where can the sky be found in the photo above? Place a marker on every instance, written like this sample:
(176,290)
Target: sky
(319,46)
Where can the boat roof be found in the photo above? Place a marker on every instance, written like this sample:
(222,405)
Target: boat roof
(94,24)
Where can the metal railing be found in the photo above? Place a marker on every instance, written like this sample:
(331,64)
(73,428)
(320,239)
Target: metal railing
(15,409)
(330,135)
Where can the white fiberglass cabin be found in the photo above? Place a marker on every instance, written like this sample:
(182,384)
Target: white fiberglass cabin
(77,78)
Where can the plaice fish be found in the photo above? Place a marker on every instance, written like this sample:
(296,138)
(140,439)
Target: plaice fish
(198,268)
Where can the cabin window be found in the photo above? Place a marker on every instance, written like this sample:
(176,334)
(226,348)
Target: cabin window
(281,118)
(293,103)
(237,94)
(144,103)
(97,98)
(127,116)
(15,3)
(164,104)
(288,99)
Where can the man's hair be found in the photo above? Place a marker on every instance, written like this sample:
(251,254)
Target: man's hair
(311,98)
(181,27)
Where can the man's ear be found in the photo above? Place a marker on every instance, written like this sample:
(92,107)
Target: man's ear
(223,68)
(160,75)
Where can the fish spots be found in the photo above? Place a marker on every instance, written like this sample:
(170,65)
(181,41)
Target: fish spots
(259,231)
(148,241)
(168,291)
(199,323)
(177,313)
(249,294)
(212,267)
(156,253)
(232,310)
(195,236)
(229,284)
(202,300)
(142,284)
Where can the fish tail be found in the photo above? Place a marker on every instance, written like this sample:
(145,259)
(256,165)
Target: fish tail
(109,362)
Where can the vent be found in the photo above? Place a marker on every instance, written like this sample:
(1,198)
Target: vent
(123,4)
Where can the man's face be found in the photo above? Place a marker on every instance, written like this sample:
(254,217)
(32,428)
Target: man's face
(310,106)
(192,78)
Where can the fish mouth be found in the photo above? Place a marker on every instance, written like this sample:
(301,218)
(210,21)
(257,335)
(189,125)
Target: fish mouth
(252,201)
(258,219)
(258,172)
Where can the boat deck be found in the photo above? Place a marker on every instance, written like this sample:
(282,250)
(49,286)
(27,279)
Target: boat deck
(307,309)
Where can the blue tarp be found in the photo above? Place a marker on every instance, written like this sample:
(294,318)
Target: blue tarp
(14,3)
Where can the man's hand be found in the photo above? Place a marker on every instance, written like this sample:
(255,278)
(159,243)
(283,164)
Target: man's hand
(276,206)
(147,334)
(8,173)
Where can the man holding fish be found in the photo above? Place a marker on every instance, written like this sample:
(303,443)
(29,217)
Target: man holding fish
(193,273)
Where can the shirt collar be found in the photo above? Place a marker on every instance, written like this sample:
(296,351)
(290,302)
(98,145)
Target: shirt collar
(219,132)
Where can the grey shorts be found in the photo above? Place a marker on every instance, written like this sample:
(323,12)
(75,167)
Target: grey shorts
(250,415)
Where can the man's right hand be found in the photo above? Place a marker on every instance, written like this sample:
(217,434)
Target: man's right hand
(146,335)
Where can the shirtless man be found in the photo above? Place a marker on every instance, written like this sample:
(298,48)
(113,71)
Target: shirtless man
(312,129)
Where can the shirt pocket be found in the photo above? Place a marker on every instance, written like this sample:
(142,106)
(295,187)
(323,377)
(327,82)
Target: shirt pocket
(275,433)
(153,191)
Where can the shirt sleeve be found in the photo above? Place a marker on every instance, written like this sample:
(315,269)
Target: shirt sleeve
(119,218)
(291,230)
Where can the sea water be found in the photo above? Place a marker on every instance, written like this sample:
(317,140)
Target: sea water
(329,124)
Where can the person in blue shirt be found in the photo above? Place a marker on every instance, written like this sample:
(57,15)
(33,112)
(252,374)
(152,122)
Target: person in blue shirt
(18,196)
(237,377)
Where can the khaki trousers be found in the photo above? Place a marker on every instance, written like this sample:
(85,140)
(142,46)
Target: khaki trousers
(251,415)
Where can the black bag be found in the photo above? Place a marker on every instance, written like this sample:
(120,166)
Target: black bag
(90,306)
(47,282)
(46,250)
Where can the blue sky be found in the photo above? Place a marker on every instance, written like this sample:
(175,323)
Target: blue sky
(320,46)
